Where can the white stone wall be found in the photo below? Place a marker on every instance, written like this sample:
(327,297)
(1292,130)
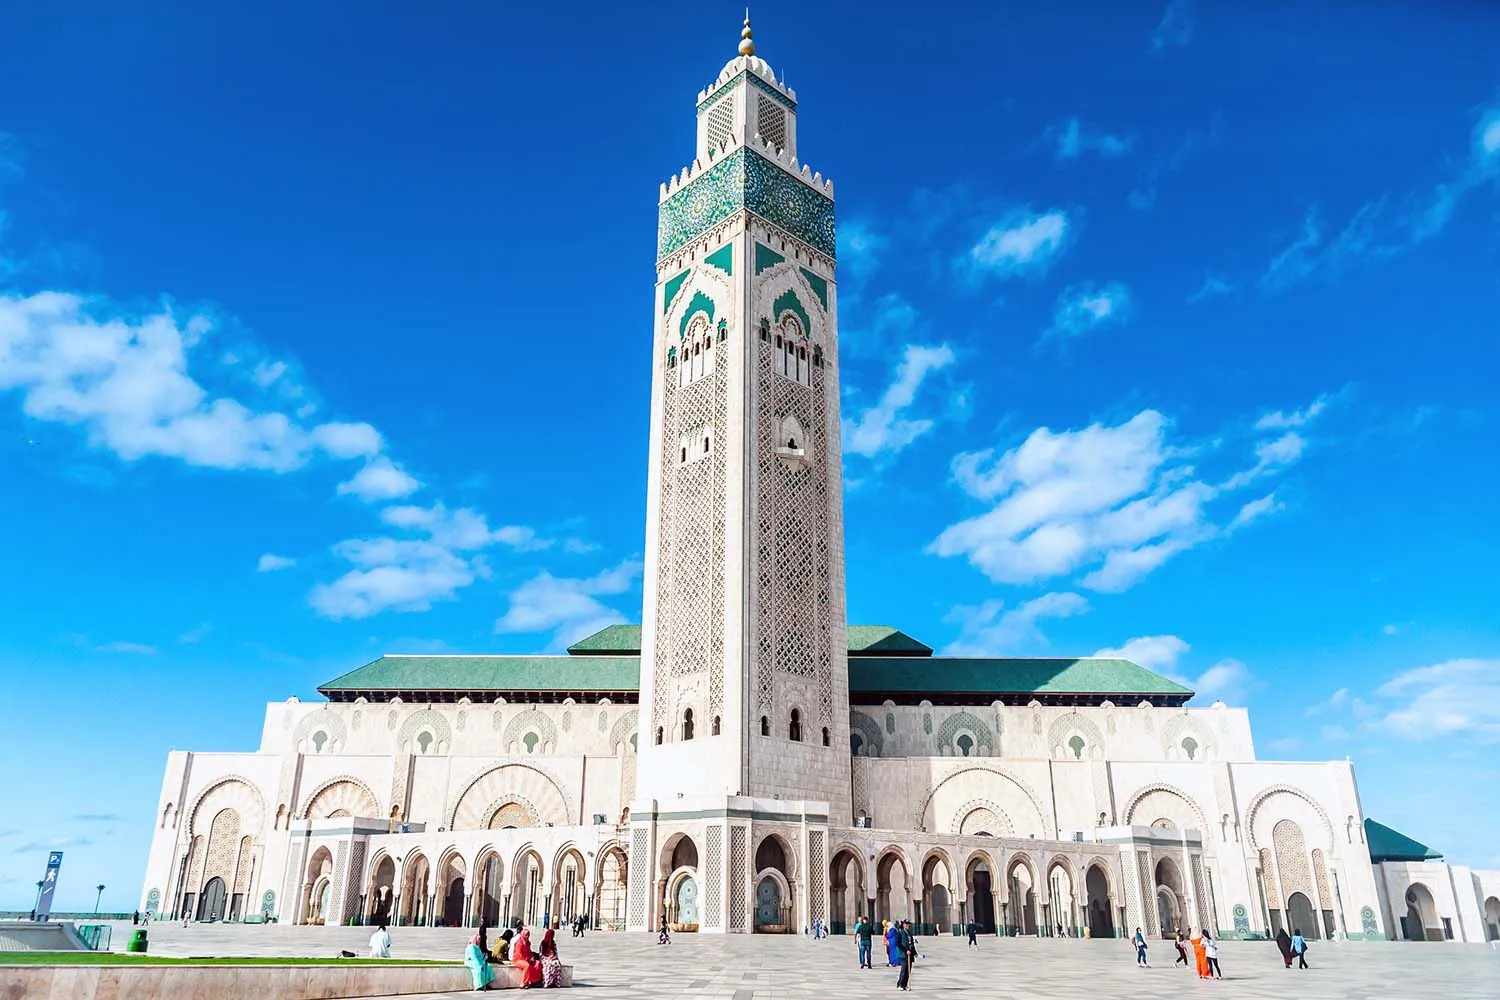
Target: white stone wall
(1454,903)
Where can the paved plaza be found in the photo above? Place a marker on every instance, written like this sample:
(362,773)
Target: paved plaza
(705,967)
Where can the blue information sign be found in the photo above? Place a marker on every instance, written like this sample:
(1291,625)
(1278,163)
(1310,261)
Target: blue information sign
(49,885)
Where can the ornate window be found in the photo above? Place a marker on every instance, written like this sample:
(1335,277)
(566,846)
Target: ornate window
(791,359)
(765,330)
(687,723)
(965,744)
(1190,747)
(658,735)
(671,357)
(1076,745)
(697,351)
(765,726)
(531,740)
(795,729)
(713,729)
(424,741)
(319,739)
(825,736)
(817,357)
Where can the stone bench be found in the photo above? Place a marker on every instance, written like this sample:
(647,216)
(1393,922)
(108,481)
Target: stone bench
(129,981)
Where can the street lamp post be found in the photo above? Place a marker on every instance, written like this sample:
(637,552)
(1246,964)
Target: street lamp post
(100,895)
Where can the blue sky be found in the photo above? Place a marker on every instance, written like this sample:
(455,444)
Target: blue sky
(323,333)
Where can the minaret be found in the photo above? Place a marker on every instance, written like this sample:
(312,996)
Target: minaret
(744,679)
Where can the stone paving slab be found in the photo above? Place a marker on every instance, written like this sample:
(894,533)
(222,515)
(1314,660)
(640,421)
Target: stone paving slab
(712,967)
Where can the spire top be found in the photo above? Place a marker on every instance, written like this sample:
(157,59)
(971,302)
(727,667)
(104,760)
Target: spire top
(747,44)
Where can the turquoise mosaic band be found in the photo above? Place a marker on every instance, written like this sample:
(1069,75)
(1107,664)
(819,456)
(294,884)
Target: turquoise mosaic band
(745,179)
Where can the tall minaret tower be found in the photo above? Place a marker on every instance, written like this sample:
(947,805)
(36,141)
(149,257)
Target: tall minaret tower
(744,679)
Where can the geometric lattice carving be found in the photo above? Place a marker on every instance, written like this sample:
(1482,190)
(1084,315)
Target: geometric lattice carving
(229,793)
(509,783)
(713,873)
(691,512)
(958,722)
(1320,879)
(223,845)
(771,122)
(640,875)
(868,730)
(624,728)
(721,123)
(793,518)
(1068,726)
(529,721)
(326,721)
(343,796)
(242,866)
(739,877)
(817,879)
(429,722)
(1291,859)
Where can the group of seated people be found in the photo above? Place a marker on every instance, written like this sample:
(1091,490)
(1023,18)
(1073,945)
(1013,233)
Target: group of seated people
(538,966)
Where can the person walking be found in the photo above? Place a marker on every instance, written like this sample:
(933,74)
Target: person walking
(1211,949)
(662,937)
(1284,945)
(1200,953)
(1299,948)
(1182,958)
(973,934)
(1140,949)
(863,932)
(907,942)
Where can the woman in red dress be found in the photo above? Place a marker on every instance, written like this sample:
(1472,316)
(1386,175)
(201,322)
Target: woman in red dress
(523,958)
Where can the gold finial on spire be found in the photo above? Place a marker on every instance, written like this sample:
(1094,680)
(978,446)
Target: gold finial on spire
(747,44)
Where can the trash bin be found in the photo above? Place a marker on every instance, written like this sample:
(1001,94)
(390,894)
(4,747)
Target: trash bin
(137,942)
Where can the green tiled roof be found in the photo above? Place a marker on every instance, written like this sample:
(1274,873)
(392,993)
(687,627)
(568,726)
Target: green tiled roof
(492,673)
(621,640)
(882,640)
(944,675)
(1388,845)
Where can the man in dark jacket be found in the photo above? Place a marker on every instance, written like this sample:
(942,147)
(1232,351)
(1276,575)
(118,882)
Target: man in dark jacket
(906,943)
(862,932)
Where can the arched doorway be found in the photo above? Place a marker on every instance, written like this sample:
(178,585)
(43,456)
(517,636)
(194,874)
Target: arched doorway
(981,894)
(568,885)
(1100,914)
(211,904)
(1021,916)
(679,871)
(316,907)
(937,895)
(1492,919)
(489,889)
(415,889)
(892,888)
(1421,922)
(609,904)
(527,902)
(1171,900)
(1062,920)
(773,896)
(1300,913)
(847,883)
(382,892)
(453,882)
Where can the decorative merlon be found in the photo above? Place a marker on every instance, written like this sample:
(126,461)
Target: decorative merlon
(748,64)
(769,151)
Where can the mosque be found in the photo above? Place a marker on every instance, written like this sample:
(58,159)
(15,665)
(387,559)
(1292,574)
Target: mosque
(744,761)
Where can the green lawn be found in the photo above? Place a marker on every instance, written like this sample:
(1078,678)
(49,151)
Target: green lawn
(117,958)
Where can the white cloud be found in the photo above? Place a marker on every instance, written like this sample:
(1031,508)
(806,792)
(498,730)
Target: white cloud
(344,440)
(1159,653)
(198,634)
(1456,699)
(124,381)
(267,372)
(271,563)
(1390,629)
(1333,702)
(1213,285)
(1075,499)
(1226,680)
(1175,28)
(568,607)
(1114,502)
(1081,308)
(380,479)
(989,630)
(1279,420)
(882,428)
(1074,139)
(860,248)
(410,574)
(1024,241)
(1254,510)
(134,648)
